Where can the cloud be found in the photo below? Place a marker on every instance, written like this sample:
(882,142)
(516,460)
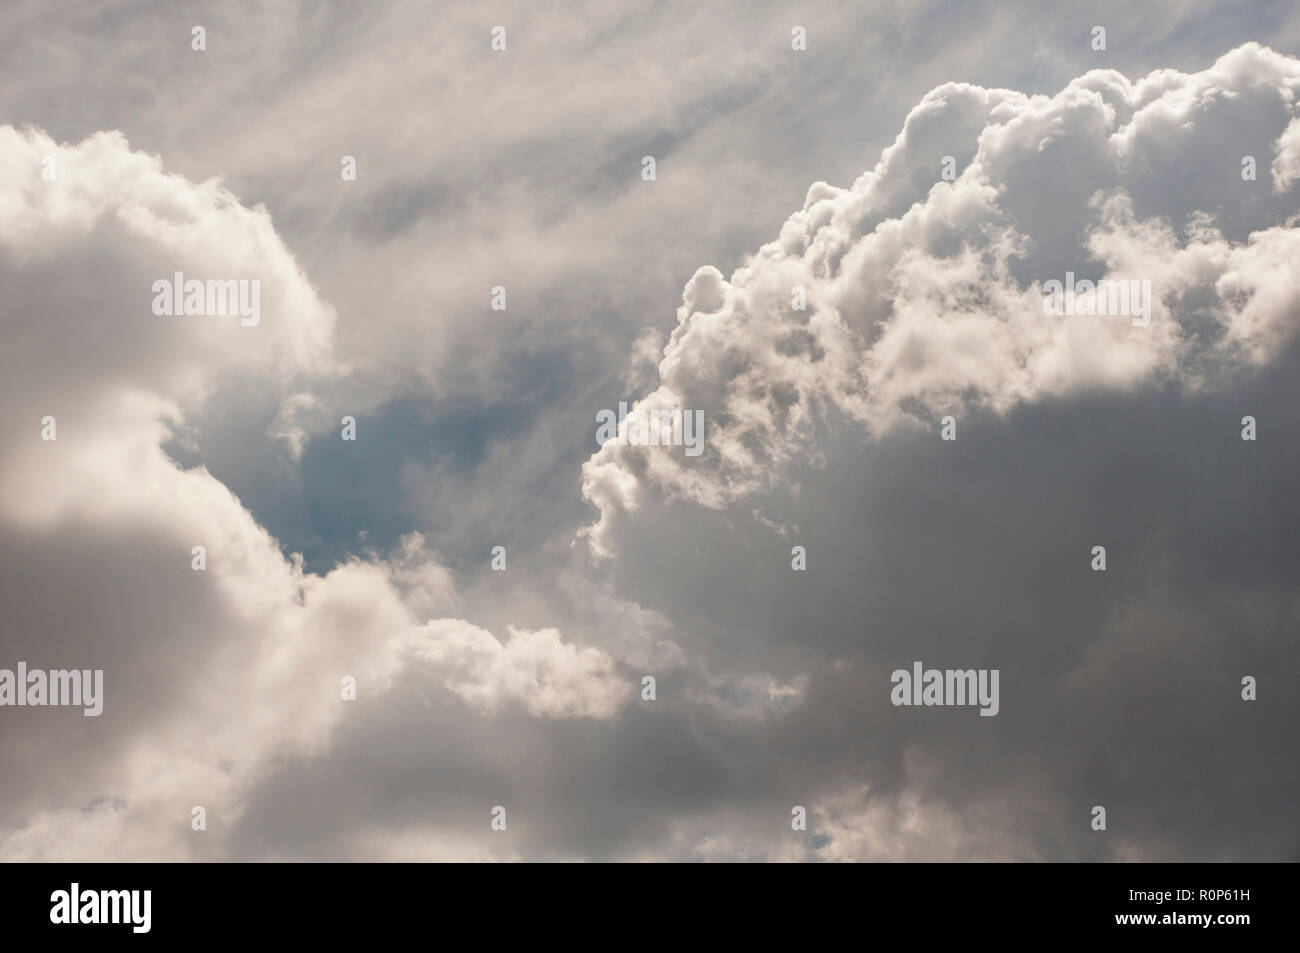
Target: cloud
(924,297)
(478,688)
(212,675)
(1286,162)
(537,669)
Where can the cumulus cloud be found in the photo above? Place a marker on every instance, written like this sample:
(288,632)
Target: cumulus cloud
(537,669)
(924,297)
(477,688)
(220,671)
(1286,162)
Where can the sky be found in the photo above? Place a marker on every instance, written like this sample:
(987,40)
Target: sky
(430,592)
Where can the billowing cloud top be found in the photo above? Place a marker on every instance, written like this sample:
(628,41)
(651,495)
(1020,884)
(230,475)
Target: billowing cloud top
(908,297)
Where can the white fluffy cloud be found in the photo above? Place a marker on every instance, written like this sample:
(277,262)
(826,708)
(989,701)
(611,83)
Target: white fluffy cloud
(538,669)
(228,668)
(924,297)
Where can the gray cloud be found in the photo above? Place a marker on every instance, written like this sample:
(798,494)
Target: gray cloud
(479,688)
